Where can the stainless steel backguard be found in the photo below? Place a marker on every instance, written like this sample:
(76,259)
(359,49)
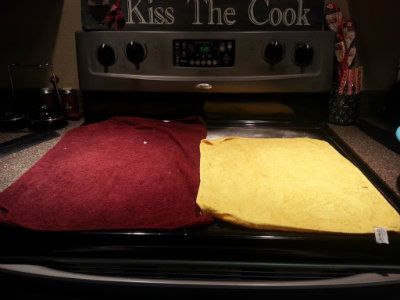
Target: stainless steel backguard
(251,73)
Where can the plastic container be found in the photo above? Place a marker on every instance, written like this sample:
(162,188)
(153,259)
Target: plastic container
(343,109)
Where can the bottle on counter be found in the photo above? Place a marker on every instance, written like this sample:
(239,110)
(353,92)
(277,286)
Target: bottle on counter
(70,104)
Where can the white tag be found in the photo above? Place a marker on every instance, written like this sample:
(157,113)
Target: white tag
(381,236)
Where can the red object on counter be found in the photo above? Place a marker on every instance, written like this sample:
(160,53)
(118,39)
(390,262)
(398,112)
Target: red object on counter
(345,49)
(115,15)
(123,173)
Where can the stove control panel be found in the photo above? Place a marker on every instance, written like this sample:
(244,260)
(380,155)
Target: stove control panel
(206,62)
(204,53)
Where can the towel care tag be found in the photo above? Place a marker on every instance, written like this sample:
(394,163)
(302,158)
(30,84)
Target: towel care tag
(381,236)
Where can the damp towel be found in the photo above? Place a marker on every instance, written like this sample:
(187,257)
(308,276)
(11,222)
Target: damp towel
(123,173)
(298,184)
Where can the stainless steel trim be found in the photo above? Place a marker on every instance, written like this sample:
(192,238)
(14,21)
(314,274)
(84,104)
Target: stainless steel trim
(361,280)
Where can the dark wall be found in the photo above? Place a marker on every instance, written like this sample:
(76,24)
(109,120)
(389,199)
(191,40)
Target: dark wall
(28,35)
(378,40)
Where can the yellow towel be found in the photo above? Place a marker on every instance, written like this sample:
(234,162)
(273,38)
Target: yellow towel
(298,184)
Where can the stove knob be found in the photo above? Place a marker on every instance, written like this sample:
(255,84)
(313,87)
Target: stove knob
(106,55)
(274,52)
(303,55)
(135,52)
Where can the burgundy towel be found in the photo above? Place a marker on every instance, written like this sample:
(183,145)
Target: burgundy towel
(123,173)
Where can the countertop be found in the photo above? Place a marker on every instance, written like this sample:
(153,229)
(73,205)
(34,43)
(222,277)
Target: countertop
(13,165)
(384,162)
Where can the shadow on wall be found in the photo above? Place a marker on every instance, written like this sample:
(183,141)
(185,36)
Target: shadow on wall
(28,37)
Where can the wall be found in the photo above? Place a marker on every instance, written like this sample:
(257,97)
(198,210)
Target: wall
(65,53)
(47,33)
(378,40)
(28,35)
(38,33)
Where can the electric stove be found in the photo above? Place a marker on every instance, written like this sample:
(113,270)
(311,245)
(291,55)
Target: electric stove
(172,74)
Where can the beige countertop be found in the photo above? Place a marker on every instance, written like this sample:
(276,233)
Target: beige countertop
(12,166)
(384,162)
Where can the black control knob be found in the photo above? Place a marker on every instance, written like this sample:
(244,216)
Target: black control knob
(274,52)
(303,55)
(106,55)
(135,52)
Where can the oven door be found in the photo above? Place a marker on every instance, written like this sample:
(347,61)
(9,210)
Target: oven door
(213,262)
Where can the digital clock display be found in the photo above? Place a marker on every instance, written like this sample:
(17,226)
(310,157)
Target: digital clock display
(205,49)
(204,53)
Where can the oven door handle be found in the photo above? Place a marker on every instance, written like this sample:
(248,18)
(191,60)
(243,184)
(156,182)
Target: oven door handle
(359,280)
